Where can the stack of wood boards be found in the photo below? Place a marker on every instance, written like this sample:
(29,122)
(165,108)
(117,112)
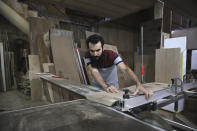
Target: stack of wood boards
(64,55)
(168,64)
(66,64)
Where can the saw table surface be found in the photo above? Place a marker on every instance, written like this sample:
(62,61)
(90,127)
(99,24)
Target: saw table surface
(78,115)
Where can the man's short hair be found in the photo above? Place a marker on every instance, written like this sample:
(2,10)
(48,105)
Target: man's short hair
(94,39)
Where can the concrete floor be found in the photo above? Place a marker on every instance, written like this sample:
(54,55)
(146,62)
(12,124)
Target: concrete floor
(15,99)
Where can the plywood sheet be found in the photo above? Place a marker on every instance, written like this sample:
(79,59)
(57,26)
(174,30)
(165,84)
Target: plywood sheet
(63,54)
(168,64)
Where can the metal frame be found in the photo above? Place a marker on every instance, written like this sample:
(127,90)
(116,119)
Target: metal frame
(136,101)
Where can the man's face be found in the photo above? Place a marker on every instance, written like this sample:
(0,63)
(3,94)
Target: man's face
(95,50)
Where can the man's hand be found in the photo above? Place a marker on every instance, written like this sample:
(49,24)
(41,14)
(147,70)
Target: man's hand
(146,92)
(111,89)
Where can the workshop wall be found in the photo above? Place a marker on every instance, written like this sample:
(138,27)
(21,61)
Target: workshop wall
(121,37)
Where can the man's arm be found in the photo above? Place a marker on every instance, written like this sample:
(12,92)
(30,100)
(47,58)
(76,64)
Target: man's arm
(125,69)
(97,76)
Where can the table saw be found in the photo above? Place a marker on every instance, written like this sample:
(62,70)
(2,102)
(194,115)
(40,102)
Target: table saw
(99,110)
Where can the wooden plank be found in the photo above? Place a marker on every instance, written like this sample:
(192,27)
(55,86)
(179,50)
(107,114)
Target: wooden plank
(64,55)
(110,98)
(167,64)
(44,56)
(66,61)
(81,69)
(153,86)
(34,66)
(88,72)
(35,83)
(105,98)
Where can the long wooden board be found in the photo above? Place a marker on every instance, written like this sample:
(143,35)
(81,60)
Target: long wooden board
(34,66)
(63,54)
(35,83)
(110,98)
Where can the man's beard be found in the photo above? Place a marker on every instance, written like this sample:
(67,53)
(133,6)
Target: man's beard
(96,57)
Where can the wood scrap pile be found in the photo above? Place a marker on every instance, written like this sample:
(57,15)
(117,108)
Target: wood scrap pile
(58,55)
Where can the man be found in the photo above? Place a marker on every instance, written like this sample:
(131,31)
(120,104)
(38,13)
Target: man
(102,64)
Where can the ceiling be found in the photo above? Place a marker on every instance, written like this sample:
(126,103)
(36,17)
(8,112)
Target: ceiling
(104,8)
(183,6)
(120,11)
